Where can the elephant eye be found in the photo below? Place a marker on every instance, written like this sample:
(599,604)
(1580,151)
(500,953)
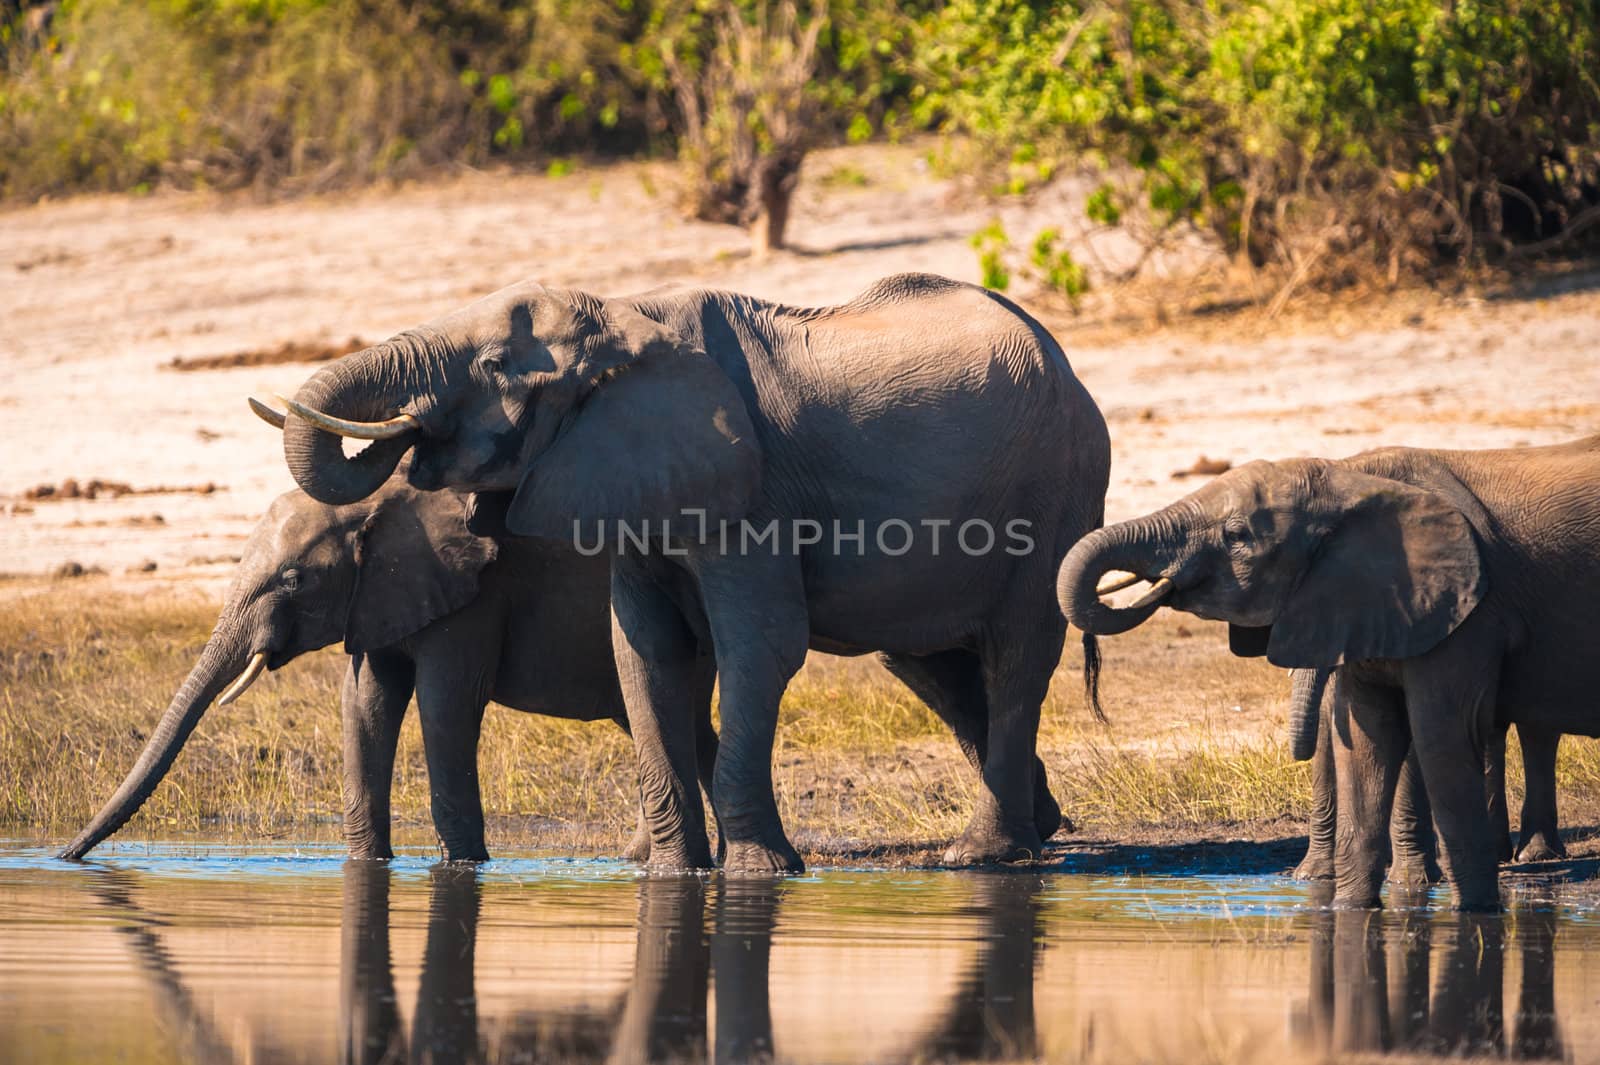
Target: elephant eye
(493,369)
(1236,533)
(290,578)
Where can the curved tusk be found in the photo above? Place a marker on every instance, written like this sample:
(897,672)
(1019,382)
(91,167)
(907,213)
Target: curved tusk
(268,414)
(1127,580)
(387,429)
(1158,591)
(258,663)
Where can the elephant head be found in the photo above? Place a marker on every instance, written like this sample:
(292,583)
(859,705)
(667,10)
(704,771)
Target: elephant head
(312,575)
(1312,563)
(586,408)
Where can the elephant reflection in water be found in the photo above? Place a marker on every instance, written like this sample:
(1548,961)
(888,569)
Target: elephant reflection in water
(1372,973)
(990,1015)
(662,1016)
(680,961)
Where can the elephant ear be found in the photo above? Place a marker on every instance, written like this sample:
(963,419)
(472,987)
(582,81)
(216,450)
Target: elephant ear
(663,436)
(1396,572)
(416,561)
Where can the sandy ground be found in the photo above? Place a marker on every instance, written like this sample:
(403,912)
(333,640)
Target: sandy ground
(99,293)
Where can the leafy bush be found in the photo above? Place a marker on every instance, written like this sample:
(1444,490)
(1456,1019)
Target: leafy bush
(306,93)
(1336,135)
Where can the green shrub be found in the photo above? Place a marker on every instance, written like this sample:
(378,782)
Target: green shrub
(306,93)
(1339,135)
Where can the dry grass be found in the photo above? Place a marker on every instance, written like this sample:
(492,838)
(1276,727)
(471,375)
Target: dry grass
(860,765)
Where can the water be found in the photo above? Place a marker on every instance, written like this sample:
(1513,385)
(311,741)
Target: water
(216,954)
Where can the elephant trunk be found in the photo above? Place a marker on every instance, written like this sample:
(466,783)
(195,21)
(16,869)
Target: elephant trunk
(1305,710)
(355,388)
(222,660)
(1125,546)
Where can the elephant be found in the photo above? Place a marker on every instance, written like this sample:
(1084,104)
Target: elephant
(1451,592)
(901,473)
(423,605)
(1413,846)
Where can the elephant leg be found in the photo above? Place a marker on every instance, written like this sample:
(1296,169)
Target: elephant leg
(1452,719)
(758,650)
(706,743)
(657,662)
(950,683)
(1540,836)
(1369,746)
(372,707)
(1415,861)
(638,847)
(1494,790)
(1016,674)
(451,708)
(1318,862)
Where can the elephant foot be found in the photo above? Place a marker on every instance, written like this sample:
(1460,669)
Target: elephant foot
(1542,847)
(1314,866)
(679,857)
(994,845)
(1047,816)
(638,848)
(1414,873)
(753,858)
(1362,901)
(463,852)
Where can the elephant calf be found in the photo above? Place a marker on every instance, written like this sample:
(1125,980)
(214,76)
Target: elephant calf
(1413,847)
(423,606)
(1452,593)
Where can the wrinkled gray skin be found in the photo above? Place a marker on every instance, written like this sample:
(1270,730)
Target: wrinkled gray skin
(1413,846)
(1455,591)
(423,606)
(922,399)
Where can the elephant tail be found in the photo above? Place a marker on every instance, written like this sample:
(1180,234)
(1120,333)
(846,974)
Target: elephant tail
(1091,676)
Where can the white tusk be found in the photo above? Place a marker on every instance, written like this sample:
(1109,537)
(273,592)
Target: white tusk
(267,413)
(1127,580)
(387,429)
(1158,591)
(247,678)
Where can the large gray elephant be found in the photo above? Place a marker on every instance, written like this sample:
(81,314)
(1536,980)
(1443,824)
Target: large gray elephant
(1454,591)
(1412,843)
(425,606)
(899,474)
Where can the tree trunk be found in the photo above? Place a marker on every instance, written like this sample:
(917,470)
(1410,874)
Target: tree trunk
(776,178)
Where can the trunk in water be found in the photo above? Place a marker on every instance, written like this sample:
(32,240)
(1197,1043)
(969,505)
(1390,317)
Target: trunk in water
(1305,710)
(348,388)
(221,661)
(1116,547)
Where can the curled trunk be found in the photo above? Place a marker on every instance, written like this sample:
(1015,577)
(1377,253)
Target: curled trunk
(351,388)
(1117,547)
(221,661)
(1305,710)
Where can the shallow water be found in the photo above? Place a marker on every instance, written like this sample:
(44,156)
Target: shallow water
(220,954)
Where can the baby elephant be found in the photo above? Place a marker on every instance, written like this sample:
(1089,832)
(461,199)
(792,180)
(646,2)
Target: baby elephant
(1453,593)
(1414,853)
(424,606)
